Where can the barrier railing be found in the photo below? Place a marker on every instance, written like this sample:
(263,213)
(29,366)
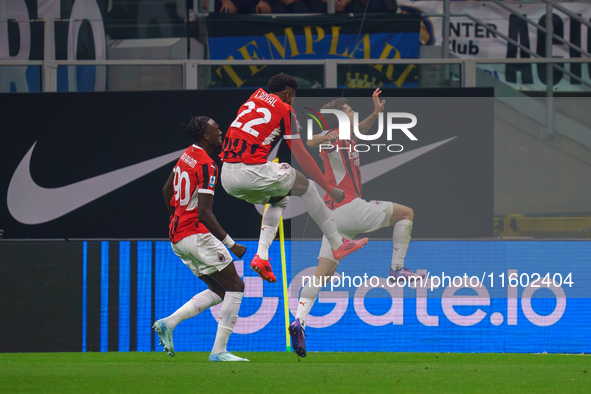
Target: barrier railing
(190,67)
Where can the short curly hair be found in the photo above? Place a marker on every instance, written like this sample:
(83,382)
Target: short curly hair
(195,129)
(279,82)
(332,121)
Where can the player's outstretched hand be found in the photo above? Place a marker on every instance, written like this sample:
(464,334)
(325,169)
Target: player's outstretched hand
(238,250)
(378,105)
(337,194)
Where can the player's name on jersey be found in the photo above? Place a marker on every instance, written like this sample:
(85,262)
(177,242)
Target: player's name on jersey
(189,160)
(266,97)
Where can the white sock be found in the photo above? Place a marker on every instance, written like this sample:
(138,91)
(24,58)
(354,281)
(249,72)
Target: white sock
(269,227)
(193,307)
(321,215)
(401,239)
(227,320)
(307,298)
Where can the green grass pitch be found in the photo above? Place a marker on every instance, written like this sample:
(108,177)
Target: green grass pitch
(274,372)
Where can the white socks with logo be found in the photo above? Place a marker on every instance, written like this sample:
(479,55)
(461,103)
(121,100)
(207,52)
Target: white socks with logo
(269,227)
(193,307)
(307,298)
(401,239)
(227,320)
(321,215)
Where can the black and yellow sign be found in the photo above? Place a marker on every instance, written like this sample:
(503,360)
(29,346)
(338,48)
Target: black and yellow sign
(375,36)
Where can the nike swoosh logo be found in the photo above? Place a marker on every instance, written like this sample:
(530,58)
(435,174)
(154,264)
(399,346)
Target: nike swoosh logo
(30,203)
(369,171)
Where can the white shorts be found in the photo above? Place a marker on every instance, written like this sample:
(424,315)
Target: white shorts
(358,216)
(204,254)
(256,183)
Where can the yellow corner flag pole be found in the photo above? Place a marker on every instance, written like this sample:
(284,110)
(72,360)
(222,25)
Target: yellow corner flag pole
(284,275)
(284,272)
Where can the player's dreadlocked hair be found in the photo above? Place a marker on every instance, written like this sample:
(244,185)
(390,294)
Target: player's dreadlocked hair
(332,121)
(195,129)
(280,81)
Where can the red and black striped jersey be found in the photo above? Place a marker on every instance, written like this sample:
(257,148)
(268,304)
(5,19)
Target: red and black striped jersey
(195,172)
(259,121)
(341,167)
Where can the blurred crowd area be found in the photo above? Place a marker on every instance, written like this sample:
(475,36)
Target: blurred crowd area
(180,9)
(187,10)
(165,18)
(302,6)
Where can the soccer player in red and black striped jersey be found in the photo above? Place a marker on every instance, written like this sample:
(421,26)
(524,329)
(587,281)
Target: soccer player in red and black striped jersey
(249,176)
(198,239)
(353,215)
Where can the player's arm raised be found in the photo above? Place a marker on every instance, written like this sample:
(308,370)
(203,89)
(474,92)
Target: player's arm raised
(206,216)
(370,120)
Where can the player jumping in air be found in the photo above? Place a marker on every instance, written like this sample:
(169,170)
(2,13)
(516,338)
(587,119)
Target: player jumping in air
(353,215)
(249,176)
(197,237)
